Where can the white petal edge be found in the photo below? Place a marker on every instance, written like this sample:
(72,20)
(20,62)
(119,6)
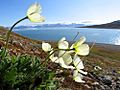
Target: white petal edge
(67,58)
(62,64)
(81,71)
(34,8)
(80,41)
(78,62)
(82,49)
(54,59)
(78,77)
(46,47)
(36,18)
(63,44)
(62,39)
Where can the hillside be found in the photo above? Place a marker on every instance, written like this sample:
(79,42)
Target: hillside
(19,44)
(105,56)
(51,25)
(112,25)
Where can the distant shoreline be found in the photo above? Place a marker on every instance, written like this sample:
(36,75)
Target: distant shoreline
(97,27)
(112,25)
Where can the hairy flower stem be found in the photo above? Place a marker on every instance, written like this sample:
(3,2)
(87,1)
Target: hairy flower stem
(9,32)
(76,36)
(47,58)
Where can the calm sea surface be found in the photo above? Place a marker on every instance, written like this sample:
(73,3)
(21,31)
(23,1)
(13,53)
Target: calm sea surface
(107,36)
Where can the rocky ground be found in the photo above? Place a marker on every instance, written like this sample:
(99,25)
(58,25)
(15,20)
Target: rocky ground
(102,64)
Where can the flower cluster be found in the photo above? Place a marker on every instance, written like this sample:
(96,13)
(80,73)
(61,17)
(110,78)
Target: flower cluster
(68,56)
(65,57)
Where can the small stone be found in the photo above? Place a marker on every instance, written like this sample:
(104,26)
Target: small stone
(117,87)
(107,87)
(118,82)
(95,83)
(107,81)
(97,68)
(87,86)
(108,77)
(114,71)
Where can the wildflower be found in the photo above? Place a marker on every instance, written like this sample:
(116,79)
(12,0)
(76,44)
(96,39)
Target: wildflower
(53,58)
(65,58)
(78,77)
(63,64)
(78,73)
(78,64)
(63,44)
(46,47)
(80,48)
(33,13)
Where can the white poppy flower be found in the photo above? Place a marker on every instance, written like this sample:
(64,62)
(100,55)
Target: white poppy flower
(77,74)
(78,64)
(78,77)
(33,13)
(80,41)
(53,58)
(46,47)
(62,64)
(62,60)
(80,48)
(66,57)
(63,44)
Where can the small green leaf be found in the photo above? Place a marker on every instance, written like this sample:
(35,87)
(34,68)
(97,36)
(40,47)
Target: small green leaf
(11,75)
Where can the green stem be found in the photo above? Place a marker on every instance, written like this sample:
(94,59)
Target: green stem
(8,35)
(9,32)
(47,58)
(66,49)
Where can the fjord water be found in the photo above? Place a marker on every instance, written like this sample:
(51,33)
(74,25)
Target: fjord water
(107,36)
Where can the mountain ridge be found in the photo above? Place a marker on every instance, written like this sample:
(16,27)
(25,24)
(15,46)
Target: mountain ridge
(111,25)
(50,25)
